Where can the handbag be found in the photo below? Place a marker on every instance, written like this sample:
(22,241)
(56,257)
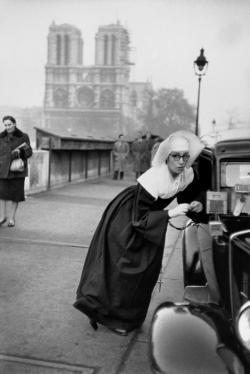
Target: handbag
(17,165)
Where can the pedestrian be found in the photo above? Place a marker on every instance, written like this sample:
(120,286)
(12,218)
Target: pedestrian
(120,154)
(140,152)
(136,154)
(125,255)
(150,142)
(14,144)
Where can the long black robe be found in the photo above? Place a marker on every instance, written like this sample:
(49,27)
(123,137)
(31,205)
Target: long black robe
(124,258)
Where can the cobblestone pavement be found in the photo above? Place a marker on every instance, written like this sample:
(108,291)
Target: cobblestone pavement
(40,263)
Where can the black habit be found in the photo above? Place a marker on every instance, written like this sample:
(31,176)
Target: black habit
(125,257)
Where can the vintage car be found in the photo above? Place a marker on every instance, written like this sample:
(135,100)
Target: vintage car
(209,332)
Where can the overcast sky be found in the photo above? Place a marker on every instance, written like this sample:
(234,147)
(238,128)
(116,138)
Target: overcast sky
(166,36)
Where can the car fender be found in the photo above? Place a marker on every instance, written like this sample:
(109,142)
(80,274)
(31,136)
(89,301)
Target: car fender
(192,269)
(191,339)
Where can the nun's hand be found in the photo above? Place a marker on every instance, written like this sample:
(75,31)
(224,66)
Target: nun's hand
(179,210)
(196,206)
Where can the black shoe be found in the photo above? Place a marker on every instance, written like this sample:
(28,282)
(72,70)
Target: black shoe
(11,223)
(121,332)
(93,323)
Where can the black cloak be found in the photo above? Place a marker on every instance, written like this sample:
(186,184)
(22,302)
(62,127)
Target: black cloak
(125,257)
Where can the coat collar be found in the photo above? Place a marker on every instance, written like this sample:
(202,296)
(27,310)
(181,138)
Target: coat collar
(18,133)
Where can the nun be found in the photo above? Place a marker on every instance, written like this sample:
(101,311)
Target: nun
(125,255)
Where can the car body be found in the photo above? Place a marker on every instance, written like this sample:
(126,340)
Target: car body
(209,332)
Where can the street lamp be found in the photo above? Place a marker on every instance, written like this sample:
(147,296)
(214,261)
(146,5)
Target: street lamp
(214,125)
(200,68)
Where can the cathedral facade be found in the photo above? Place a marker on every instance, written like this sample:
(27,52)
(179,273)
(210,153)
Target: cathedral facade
(94,98)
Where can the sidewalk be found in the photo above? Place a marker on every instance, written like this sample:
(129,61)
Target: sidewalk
(41,260)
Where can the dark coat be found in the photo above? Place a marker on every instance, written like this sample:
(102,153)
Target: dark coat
(120,153)
(124,258)
(8,142)
(141,154)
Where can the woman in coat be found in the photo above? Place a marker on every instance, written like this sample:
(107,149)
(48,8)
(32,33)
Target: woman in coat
(125,255)
(13,144)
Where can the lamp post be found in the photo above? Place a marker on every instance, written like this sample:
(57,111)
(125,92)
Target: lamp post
(200,68)
(214,125)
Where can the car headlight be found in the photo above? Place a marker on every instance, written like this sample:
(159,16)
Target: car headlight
(243,325)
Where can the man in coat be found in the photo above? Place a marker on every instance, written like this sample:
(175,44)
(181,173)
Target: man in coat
(120,154)
(141,155)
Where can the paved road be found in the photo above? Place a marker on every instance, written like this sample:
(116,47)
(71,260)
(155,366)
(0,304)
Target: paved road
(40,264)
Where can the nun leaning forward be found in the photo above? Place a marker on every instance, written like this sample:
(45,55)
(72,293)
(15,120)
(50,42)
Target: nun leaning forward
(125,255)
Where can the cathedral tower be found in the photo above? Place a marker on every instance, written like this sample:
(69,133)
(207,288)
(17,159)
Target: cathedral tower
(65,45)
(112,46)
(87,96)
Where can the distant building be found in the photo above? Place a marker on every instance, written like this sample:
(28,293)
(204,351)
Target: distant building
(138,98)
(94,97)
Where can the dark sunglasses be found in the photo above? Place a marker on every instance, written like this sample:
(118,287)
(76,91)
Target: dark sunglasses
(178,156)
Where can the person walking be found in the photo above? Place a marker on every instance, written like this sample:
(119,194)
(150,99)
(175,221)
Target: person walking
(149,142)
(140,152)
(136,155)
(14,144)
(120,153)
(125,255)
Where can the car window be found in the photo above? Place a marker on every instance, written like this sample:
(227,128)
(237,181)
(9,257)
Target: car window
(233,173)
(235,179)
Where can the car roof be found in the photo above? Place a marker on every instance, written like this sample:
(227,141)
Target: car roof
(235,141)
(232,146)
(213,137)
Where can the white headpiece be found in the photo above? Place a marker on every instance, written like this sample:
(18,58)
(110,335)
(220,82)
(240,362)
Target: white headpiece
(178,144)
(182,141)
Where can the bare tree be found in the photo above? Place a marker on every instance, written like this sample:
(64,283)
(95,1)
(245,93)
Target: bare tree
(167,110)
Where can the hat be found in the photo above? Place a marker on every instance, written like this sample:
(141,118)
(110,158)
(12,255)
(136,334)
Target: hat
(179,141)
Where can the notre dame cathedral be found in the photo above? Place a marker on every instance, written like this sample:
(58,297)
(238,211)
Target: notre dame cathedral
(96,97)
